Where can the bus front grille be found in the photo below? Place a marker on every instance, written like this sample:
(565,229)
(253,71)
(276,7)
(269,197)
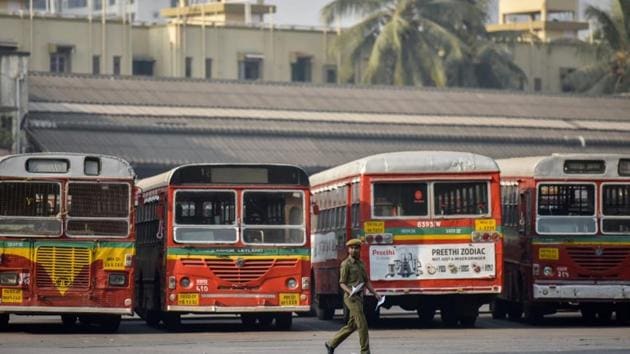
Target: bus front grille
(597,259)
(242,271)
(62,267)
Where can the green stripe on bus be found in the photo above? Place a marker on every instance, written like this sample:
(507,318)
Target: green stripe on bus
(177,251)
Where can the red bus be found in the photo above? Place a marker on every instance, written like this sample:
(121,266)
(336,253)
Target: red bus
(224,238)
(431,223)
(67,237)
(566,220)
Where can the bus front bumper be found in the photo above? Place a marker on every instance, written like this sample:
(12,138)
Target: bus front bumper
(236,309)
(582,291)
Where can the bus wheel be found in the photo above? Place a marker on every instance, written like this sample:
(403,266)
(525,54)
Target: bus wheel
(449,316)
(172,321)
(265,320)
(499,309)
(533,314)
(69,320)
(4,321)
(248,320)
(468,321)
(588,314)
(622,313)
(109,324)
(324,313)
(604,315)
(426,314)
(514,311)
(152,317)
(284,321)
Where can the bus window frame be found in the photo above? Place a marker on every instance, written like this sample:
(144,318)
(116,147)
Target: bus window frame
(234,225)
(57,217)
(302,226)
(130,186)
(602,215)
(431,212)
(594,216)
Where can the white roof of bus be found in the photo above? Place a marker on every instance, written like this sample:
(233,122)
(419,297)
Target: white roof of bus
(553,165)
(111,166)
(409,162)
(164,178)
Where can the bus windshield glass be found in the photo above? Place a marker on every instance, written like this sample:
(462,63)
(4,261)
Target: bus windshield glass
(566,209)
(98,209)
(273,217)
(205,216)
(400,199)
(30,209)
(461,198)
(616,209)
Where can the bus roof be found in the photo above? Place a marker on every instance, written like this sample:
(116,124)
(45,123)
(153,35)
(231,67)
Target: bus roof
(224,173)
(553,166)
(409,162)
(62,164)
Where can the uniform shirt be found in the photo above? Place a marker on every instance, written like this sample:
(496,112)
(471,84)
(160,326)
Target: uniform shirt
(352,272)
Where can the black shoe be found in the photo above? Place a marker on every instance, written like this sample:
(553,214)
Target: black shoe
(330,349)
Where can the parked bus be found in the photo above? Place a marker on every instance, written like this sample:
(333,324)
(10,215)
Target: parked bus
(224,238)
(431,224)
(566,220)
(66,237)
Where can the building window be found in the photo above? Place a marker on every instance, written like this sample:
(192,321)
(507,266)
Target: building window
(250,68)
(112,2)
(301,70)
(97,4)
(76,3)
(143,67)
(174,3)
(537,84)
(330,75)
(188,69)
(208,68)
(116,65)
(96,64)
(60,60)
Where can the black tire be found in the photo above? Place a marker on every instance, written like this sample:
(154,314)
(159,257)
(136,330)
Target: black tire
(248,320)
(108,323)
(324,313)
(622,313)
(499,309)
(172,321)
(284,321)
(152,318)
(449,316)
(468,321)
(514,311)
(589,314)
(533,315)
(265,320)
(426,314)
(4,321)
(69,320)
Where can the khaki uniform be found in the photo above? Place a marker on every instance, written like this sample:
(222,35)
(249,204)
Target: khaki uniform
(353,272)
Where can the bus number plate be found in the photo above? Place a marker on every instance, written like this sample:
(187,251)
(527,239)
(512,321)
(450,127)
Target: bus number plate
(289,299)
(485,225)
(188,299)
(11,296)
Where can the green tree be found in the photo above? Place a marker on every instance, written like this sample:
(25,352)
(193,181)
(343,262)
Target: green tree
(419,42)
(610,74)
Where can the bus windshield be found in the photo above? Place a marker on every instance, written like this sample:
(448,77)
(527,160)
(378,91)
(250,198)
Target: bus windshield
(400,199)
(616,208)
(461,198)
(273,217)
(566,209)
(205,216)
(98,209)
(30,209)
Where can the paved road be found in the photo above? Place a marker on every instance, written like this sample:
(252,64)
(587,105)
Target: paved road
(396,333)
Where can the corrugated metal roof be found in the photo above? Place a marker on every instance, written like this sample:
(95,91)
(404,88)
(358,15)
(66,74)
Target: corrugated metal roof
(45,87)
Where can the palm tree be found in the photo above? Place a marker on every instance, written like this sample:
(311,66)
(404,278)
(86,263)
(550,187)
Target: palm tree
(420,42)
(611,73)
(405,42)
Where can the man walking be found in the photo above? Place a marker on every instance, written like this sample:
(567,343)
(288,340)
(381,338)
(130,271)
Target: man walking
(352,279)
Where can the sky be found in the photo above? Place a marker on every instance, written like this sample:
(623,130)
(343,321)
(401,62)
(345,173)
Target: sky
(306,12)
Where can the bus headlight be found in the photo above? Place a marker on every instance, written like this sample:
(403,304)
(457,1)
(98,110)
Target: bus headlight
(292,283)
(118,279)
(9,278)
(548,271)
(184,282)
(172,282)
